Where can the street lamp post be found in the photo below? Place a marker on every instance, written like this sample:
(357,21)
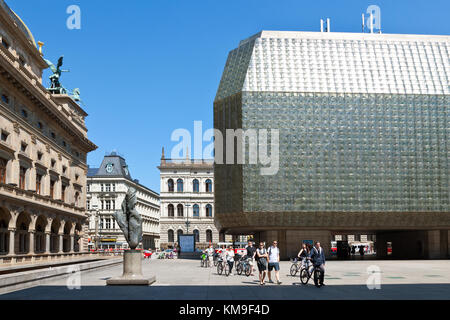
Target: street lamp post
(96,217)
(187,218)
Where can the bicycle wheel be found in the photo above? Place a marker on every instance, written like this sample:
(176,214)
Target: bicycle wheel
(215,262)
(304,276)
(227,269)
(239,269)
(294,269)
(220,268)
(248,270)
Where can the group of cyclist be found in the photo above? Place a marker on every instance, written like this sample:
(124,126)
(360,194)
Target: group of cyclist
(268,259)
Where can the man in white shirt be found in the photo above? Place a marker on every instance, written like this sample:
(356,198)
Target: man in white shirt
(274,261)
(210,254)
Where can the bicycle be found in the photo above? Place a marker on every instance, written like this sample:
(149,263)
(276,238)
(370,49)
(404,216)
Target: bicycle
(243,266)
(307,272)
(203,261)
(220,265)
(295,267)
(215,259)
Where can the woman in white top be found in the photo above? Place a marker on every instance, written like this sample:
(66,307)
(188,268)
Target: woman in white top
(230,258)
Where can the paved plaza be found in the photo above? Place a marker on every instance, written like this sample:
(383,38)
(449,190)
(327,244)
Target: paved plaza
(185,279)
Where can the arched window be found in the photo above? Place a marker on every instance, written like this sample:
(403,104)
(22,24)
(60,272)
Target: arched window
(2,171)
(209,236)
(208,185)
(196,210)
(197,235)
(170,185)
(170,210)
(179,233)
(170,236)
(208,209)
(179,185)
(180,210)
(196,185)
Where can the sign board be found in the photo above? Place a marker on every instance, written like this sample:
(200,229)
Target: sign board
(187,242)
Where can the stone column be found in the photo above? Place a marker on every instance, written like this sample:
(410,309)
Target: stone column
(72,243)
(47,242)
(12,239)
(31,243)
(282,243)
(61,238)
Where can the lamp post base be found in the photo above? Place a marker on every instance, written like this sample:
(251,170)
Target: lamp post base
(132,271)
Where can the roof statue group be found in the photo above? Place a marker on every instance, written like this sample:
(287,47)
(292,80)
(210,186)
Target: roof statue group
(55,84)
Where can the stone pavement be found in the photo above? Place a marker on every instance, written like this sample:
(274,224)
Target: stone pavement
(185,279)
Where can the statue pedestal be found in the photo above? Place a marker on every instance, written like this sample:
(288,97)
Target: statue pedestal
(132,271)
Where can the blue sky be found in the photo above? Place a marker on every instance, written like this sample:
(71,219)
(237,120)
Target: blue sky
(146,68)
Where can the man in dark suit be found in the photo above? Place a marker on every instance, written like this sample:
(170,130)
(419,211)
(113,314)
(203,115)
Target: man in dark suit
(318,258)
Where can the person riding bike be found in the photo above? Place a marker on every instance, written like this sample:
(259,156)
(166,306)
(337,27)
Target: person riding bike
(318,259)
(303,254)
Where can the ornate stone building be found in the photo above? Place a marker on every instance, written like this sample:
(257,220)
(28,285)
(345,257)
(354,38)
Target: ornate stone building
(43,150)
(106,190)
(187,201)
(363,140)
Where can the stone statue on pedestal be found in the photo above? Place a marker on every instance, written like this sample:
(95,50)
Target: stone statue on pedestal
(130,220)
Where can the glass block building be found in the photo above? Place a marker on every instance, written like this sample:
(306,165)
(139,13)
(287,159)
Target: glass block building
(364,139)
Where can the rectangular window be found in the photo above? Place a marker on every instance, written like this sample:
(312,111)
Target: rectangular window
(101,187)
(88,187)
(4,136)
(114,187)
(63,193)
(52,189)
(108,187)
(113,204)
(22,174)
(102,204)
(108,205)
(88,205)
(38,183)
(108,223)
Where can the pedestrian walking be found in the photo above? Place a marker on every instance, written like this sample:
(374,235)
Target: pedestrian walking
(251,253)
(261,261)
(274,261)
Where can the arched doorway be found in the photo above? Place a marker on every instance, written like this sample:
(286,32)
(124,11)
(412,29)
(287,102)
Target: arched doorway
(54,236)
(179,233)
(170,236)
(22,241)
(66,236)
(197,235)
(39,236)
(4,232)
(208,236)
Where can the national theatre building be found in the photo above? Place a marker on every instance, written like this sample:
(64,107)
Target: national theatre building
(43,150)
(364,140)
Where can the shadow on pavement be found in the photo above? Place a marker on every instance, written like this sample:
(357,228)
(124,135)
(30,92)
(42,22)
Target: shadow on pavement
(252,291)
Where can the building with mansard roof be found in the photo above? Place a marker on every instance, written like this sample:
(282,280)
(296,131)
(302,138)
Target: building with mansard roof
(106,190)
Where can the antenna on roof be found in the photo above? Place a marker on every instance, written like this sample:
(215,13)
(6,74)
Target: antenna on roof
(363,22)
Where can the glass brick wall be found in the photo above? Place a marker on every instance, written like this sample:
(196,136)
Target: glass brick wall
(351,152)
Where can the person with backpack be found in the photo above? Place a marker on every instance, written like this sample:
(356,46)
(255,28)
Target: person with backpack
(274,261)
(261,261)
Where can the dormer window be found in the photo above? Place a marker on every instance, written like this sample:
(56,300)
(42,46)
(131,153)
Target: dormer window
(39,155)
(53,162)
(23,147)
(4,136)
(5,43)
(5,98)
